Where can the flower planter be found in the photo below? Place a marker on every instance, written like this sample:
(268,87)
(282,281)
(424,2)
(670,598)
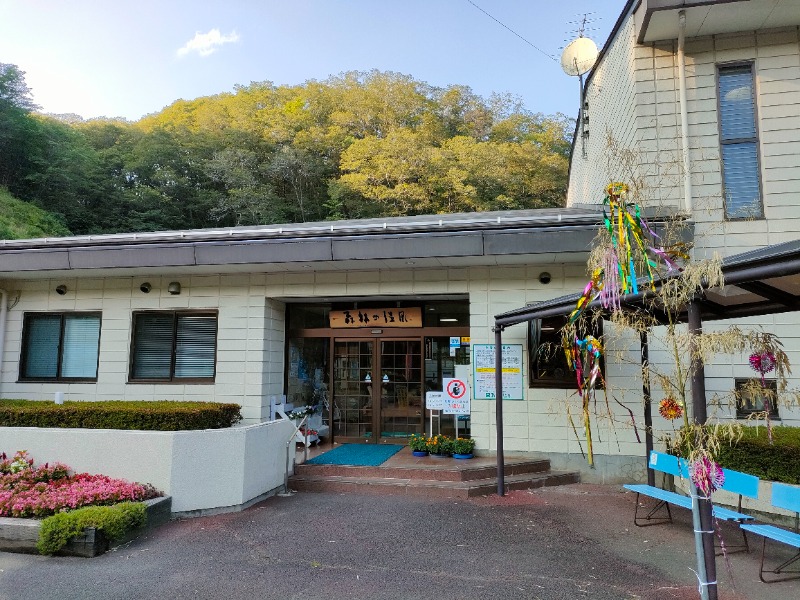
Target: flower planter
(463,456)
(419,452)
(440,454)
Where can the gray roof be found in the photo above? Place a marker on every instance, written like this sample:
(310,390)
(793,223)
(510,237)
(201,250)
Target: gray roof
(488,238)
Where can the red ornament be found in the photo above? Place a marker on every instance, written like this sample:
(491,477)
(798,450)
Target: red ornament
(762,363)
(669,408)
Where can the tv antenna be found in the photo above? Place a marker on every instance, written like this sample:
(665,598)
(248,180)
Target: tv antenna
(577,59)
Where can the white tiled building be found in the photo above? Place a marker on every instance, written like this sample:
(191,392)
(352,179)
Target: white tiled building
(240,315)
(699,102)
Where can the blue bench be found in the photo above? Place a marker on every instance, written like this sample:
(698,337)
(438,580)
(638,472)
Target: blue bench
(787,497)
(735,482)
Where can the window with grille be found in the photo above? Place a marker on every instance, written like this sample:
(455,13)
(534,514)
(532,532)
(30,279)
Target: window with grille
(60,346)
(739,142)
(174,346)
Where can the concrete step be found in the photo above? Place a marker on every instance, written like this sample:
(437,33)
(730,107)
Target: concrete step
(435,469)
(417,486)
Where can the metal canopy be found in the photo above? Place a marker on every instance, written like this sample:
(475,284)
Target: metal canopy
(760,282)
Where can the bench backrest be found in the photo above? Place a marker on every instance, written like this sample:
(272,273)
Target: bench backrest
(786,496)
(740,483)
(667,463)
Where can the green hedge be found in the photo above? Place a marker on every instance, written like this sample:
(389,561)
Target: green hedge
(114,521)
(754,454)
(148,416)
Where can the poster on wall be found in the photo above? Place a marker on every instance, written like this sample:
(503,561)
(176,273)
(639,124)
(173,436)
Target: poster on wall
(483,371)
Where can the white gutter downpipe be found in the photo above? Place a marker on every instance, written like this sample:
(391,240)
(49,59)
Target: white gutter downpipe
(687,172)
(3,318)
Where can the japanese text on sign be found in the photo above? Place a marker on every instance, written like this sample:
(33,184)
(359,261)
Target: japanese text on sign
(377,317)
(434,400)
(484,371)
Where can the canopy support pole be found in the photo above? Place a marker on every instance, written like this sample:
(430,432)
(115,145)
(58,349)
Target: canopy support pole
(498,402)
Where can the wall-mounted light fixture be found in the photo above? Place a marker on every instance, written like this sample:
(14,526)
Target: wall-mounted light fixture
(545,278)
(174,288)
(61,290)
(145,287)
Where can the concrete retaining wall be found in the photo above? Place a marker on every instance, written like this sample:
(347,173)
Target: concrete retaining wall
(207,471)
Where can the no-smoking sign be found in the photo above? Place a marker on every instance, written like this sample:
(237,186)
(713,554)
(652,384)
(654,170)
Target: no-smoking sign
(456,397)
(456,389)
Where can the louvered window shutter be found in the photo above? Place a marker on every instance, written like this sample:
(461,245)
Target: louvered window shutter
(80,346)
(152,352)
(41,350)
(195,346)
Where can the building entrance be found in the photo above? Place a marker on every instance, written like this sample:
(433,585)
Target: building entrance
(369,381)
(377,389)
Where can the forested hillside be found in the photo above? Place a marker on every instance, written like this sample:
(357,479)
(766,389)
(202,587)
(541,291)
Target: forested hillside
(356,145)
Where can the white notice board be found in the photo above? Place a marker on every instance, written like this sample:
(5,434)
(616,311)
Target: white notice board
(483,371)
(434,400)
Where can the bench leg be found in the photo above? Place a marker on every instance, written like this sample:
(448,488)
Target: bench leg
(744,547)
(779,569)
(648,519)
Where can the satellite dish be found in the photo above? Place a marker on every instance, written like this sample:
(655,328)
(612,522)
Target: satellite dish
(579,56)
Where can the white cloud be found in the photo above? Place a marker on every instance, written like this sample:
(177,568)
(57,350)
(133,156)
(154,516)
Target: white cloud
(206,44)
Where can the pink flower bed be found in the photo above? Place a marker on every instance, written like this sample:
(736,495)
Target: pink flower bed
(39,491)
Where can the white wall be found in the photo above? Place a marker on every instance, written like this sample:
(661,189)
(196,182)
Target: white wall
(612,108)
(634,97)
(240,343)
(208,470)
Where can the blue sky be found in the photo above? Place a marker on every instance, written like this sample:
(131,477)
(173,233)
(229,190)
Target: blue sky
(124,58)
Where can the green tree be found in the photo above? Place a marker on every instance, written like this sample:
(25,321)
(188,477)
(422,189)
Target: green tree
(22,220)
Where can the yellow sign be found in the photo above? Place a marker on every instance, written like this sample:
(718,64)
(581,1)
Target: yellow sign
(376,317)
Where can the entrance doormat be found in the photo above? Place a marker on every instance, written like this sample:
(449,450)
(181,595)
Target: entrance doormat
(357,455)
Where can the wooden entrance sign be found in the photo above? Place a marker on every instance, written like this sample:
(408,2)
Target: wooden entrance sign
(376,317)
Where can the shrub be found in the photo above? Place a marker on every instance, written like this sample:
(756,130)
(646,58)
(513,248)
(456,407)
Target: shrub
(114,521)
(779,461)
(148,416)
(752,453)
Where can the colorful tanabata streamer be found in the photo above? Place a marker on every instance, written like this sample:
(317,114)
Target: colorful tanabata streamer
(632,241)
(584,357)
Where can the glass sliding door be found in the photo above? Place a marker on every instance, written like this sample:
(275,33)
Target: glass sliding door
(377,390)
(353,390)
(402,411)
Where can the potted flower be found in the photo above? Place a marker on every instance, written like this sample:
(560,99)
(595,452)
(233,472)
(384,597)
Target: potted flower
(419,444)
(440,445)
(463,447)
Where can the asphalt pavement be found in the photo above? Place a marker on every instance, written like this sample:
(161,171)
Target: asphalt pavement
(569,542)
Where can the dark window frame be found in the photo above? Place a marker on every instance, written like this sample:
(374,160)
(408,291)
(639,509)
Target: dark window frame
(26,332)
(754,140)
(557,360)
(172,379)
(751,383)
